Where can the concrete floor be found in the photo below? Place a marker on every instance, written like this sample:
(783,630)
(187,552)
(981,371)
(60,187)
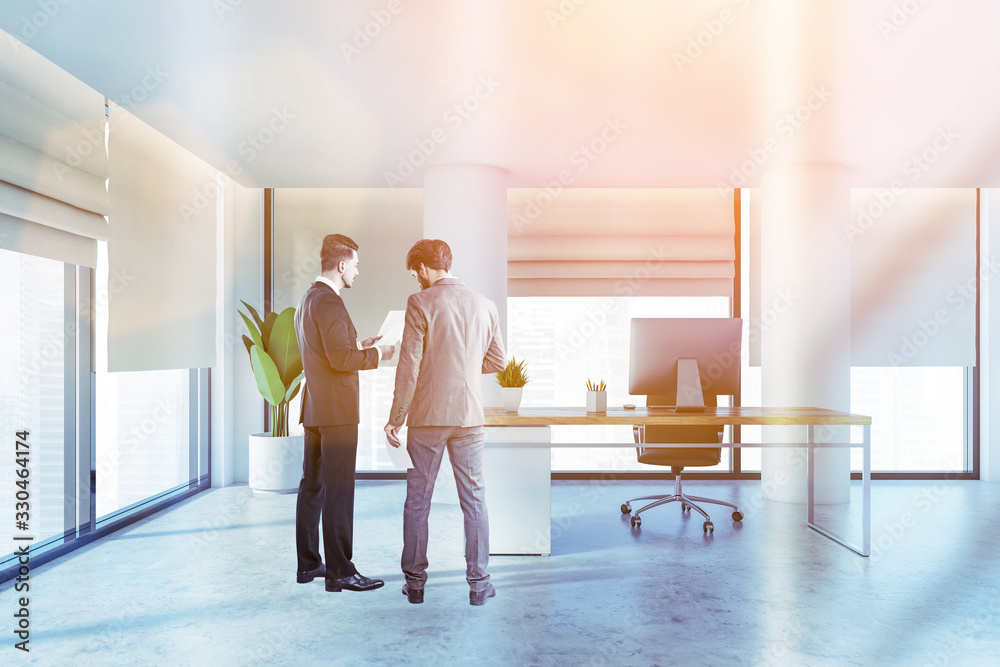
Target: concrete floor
(211,582)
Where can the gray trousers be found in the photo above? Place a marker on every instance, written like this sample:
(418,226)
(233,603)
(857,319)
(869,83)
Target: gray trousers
(426,445)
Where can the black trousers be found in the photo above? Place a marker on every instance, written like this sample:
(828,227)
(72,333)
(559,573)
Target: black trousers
(327,490)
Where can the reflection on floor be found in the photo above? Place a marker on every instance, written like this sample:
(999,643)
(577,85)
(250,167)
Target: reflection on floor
(211,582)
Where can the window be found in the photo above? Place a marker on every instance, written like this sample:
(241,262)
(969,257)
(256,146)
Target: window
(32,363)
(567,340)
(151,431)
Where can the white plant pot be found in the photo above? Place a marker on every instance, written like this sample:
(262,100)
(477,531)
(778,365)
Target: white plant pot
(511,397)
(276,463)
(597,401)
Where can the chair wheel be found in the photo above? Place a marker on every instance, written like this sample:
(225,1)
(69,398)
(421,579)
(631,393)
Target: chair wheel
(626,509)
(708,526)
(685,508)
(737,515)
(636,522)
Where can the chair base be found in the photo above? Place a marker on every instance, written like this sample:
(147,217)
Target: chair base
(686,502)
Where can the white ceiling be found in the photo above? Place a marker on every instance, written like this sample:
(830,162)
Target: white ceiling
(211,73)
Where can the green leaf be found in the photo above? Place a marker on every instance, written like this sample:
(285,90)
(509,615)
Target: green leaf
(265,330)
(253,311)
(268,379)
(254,333)
(283,347)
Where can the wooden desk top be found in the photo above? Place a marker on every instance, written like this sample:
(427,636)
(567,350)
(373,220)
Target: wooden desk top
(744,416)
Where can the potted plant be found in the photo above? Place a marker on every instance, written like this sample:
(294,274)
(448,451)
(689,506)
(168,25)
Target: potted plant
(597,397)
(275,457)
(512,380)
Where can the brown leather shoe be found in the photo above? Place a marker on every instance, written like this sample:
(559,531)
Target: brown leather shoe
(478,599)
(414,595)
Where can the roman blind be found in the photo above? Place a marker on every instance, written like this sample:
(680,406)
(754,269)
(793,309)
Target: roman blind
(162,251)
(620,242)
(54,164)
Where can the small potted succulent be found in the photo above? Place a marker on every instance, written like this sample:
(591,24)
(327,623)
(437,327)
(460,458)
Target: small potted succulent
(512,380)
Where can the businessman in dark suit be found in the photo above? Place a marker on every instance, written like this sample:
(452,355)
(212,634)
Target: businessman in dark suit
(331,359)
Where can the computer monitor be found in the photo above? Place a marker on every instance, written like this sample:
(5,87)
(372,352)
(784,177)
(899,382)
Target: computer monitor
(677,355)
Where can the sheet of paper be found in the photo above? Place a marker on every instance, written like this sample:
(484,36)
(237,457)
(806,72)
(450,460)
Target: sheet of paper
(392,328)
(400,457)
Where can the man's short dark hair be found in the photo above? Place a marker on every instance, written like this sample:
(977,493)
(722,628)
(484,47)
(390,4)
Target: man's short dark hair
(337,248)
(432,253)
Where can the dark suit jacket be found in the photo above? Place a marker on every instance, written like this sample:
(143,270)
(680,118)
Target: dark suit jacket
(330,357)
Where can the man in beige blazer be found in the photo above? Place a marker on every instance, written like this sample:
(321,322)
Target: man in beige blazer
(451,337)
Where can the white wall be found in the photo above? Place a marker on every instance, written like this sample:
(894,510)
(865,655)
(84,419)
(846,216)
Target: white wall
(237,407)
(384,223)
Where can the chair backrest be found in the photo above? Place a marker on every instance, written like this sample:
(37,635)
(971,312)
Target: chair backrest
(681,456)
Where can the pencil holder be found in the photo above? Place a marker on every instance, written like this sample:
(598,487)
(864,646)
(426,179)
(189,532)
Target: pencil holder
(597,401)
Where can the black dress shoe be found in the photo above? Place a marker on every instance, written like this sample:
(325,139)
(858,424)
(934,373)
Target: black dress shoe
(306,577)
(355,582)
(415,595)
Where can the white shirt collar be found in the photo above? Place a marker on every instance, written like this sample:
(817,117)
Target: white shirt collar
(327,281)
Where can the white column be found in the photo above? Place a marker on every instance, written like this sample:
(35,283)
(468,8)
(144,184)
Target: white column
(465,205)
(805,346)
(805,267)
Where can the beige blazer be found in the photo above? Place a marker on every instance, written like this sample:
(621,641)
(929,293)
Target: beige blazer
(451,337)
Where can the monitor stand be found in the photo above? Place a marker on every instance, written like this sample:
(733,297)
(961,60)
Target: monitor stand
(689,395)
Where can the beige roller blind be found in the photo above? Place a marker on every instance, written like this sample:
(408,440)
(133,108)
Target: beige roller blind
(161,253)
(620,242)
(913,276)
(54,164)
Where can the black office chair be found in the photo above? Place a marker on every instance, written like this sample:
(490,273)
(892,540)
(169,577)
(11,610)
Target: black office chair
(679,458)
